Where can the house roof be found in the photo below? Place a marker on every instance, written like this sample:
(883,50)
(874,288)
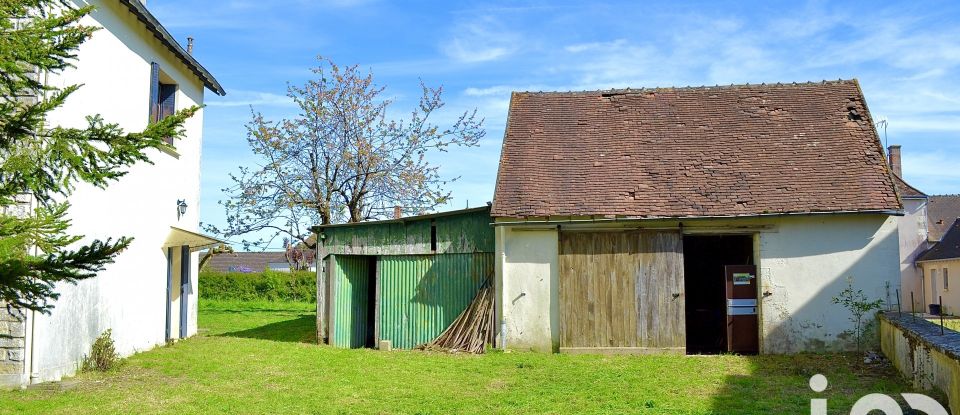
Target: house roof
(249,261)
(906,190)
(739,150)
(948,247)
(942,211)
(161,33)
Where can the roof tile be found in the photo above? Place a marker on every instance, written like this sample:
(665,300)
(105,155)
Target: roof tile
(681,152)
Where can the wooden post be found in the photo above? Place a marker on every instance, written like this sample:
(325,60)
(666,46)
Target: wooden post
(899,312)
(330,288)
(940,302)
(321,295)
(913,306)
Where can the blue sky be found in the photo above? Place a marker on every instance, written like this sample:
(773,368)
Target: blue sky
(906,57)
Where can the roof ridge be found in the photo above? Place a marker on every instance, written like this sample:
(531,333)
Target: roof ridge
(628,90)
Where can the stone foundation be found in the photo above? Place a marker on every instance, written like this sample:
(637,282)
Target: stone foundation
(12,346)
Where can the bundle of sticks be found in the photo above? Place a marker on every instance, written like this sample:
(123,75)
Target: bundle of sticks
(471,329)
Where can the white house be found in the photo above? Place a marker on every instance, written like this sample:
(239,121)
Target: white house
(691,220)
(132,72)
(913,236)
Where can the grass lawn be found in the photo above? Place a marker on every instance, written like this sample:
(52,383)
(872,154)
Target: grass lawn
(253,358)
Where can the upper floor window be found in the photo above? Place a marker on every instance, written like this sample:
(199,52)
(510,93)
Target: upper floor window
(163,96)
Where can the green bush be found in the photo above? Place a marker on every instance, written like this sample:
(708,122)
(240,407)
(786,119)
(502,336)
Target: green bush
(103,355)
(267,285)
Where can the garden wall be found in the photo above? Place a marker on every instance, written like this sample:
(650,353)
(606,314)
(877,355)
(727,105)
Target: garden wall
(921,353)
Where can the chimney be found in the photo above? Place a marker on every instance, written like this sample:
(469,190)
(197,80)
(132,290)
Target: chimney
(894,154)
(190,45)
(397,212)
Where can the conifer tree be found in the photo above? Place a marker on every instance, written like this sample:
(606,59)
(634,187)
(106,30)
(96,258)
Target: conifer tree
(46,162)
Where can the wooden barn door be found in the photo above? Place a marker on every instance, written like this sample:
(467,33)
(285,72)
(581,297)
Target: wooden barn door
(621,292)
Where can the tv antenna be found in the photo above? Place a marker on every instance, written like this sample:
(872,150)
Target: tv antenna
(883,122)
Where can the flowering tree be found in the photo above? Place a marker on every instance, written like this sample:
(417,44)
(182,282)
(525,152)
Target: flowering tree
(340,159)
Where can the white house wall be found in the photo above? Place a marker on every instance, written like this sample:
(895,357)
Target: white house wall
(949,295)
(529,307)
(913,242)
(129,296)
(803,262)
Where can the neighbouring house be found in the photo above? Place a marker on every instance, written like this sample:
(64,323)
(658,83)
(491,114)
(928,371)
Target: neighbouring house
(133,72)
(255,261)
(942,211)
(938,264)
(691,220)
(402,280)
(912,230)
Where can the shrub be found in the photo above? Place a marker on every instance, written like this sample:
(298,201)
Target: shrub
(103,355)
(267,285)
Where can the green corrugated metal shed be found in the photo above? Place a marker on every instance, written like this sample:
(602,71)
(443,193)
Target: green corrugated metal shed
(352,316)
(418,291)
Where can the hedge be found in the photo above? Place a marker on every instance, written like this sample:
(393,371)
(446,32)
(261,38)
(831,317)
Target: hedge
(267,285)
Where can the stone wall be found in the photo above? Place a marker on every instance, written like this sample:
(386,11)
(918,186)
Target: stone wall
(13,321)
(12,342)
(930,359)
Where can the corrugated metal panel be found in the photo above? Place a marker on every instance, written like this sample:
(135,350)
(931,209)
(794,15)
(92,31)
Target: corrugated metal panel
(468,232)
(420,295)
(351,318)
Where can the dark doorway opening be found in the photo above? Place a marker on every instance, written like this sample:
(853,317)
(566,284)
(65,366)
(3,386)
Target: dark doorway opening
(371,303)
(704,259)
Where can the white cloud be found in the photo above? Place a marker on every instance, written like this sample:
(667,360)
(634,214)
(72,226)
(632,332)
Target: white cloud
(481,40)
(242,98)
(583,47)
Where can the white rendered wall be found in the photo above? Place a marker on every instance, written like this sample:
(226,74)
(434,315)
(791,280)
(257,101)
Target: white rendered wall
(807,262)
(949,295)
(528,258)
(803,262)
(913,241)
(129,296)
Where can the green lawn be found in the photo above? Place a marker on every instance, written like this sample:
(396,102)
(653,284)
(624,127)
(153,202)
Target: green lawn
(253,358)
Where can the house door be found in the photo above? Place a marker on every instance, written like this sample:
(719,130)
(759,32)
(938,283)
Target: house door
(743,329)
(353,301)
(934,294)
(186,289)
(169,299)
(179,290)
(621,291)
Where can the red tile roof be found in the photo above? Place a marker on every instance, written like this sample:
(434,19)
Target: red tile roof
(685,152)
(905,189)
(942,211)
(249,261)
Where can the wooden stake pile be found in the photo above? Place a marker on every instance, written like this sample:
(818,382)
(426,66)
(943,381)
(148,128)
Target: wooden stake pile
(472,328)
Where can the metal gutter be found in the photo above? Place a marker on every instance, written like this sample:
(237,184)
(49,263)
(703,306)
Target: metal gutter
(679,218)
(161,33)
(317,228)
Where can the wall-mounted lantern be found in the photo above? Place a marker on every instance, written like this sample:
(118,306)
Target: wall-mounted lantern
(181,208)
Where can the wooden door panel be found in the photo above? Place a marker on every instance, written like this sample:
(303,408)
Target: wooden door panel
(617,290)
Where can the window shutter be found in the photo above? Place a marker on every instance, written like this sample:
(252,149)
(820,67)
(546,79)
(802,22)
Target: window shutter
(167,104)
(154,92)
